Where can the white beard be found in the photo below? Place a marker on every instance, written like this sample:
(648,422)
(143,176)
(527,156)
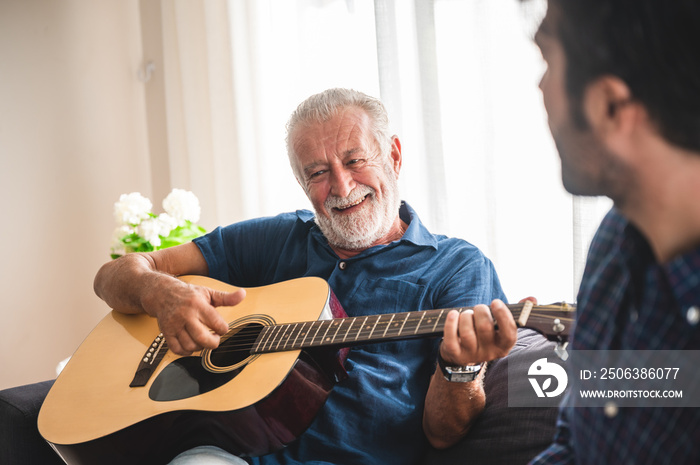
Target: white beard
(360,230)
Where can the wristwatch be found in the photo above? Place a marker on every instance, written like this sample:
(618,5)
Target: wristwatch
(459,374)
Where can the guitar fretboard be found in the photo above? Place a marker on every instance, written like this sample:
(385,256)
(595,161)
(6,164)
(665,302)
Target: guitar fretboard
(351,331)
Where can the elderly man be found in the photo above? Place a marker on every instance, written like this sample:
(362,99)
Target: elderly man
(377,257)
(622,91)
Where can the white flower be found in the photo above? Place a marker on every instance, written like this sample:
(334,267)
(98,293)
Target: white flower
(166,223)
(150,230)
(119,233)
(131,208)
(182,205)
(140,230)
(153,229)
(118,249)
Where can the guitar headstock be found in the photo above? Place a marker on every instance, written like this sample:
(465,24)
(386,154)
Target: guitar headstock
(554,321)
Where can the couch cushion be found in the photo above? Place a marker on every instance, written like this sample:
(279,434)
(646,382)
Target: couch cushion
(20,441)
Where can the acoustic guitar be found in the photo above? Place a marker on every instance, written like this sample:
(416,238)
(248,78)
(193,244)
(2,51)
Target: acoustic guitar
(124,398)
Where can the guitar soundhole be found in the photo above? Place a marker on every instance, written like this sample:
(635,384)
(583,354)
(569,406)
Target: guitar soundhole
(192,376)
(234,349)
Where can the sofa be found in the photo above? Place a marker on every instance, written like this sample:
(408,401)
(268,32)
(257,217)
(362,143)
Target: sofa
(501,435)
(20,442)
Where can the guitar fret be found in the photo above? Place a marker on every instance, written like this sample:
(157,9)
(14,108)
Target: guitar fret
(419,322)
(361,326)
(327,329)
(271,339)
(336,331)
(404,322)
(260,339)
(267,338)
(286,327)
(352,322)
(396,330)
(289,343)
(299,334)
(288,333)
(379,317)
(413,322)
(320,325)
(427,321)
(303,342)
(407,325)
(437,320)
(388,325)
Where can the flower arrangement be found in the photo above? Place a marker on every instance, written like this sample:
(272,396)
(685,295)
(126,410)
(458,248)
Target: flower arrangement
(141,230)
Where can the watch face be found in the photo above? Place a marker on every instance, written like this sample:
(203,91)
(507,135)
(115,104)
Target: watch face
(466,369)
(460,374)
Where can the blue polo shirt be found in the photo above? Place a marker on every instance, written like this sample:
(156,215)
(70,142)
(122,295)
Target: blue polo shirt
(375,415)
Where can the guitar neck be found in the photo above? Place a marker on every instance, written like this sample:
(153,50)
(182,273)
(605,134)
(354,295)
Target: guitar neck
(350,331)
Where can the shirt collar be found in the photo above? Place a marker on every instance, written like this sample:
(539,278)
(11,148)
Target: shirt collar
(416,233)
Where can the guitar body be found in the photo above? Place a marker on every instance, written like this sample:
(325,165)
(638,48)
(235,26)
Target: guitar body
(263,402)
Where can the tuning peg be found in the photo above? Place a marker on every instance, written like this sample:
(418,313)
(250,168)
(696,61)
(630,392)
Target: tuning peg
(558,327)
(560,350)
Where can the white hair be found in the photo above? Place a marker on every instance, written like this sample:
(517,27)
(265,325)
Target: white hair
(325,105)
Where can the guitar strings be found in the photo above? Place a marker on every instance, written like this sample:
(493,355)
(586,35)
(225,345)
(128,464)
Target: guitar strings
(254,333)
(245,338)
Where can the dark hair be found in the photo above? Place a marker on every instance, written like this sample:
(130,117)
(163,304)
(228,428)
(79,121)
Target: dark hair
(652,45)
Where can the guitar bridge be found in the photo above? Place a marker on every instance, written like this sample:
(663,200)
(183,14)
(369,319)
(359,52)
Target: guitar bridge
(149,362)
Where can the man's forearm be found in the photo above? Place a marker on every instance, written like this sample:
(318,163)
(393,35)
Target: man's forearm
(126,282)
(470,337)
(120,282)
(451,408)
(186,313)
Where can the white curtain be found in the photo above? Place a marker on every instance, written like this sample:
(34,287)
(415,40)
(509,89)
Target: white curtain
(459,79)
(200,111)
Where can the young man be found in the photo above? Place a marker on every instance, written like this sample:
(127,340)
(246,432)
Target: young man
(622,91)
(376,256)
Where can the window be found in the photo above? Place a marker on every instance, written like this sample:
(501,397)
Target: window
(459,78)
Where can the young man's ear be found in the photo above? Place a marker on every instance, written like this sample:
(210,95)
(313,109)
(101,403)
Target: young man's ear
(609,107)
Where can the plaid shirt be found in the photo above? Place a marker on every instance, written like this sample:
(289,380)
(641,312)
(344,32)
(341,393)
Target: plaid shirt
(628,300)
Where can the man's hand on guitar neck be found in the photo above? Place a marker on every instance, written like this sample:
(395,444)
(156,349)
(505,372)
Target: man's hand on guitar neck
(146,283)
(478,335)
(470,338)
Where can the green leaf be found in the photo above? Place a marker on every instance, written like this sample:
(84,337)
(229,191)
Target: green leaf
(180,235)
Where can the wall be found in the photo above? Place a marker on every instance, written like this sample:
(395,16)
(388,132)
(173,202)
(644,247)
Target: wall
(73,137)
